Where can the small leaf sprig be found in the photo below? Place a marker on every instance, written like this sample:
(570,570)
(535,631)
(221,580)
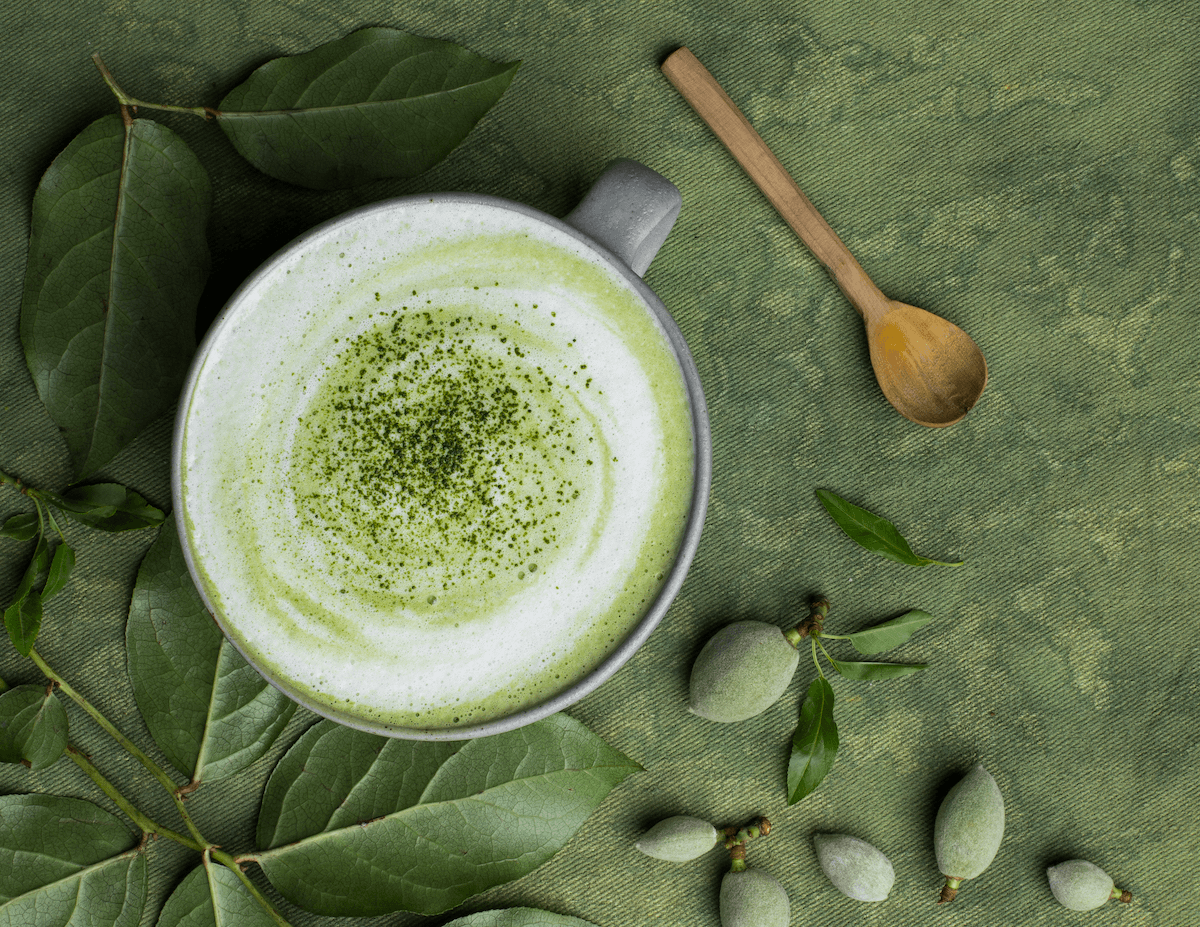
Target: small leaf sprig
(313,858)
(876,534)
(376,103)
(118,253)
(815,743)
(102,506)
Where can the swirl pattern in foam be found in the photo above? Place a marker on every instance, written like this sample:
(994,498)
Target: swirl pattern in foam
(435,468)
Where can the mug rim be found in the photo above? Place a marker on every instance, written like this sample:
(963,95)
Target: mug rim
(701,472)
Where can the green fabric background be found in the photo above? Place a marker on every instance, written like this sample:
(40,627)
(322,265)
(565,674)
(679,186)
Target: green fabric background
(1030,170)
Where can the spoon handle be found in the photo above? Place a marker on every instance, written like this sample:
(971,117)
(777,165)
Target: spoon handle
(712,104)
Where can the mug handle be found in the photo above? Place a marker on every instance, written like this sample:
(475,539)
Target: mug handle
(629,210)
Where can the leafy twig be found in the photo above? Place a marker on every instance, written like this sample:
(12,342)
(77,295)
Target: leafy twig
(147,825)
(134,750)
(126,100)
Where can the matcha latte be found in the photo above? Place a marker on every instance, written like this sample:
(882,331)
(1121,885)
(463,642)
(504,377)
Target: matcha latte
(435,465)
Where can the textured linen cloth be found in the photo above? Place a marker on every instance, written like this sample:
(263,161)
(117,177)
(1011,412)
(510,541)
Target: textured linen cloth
(1029,170)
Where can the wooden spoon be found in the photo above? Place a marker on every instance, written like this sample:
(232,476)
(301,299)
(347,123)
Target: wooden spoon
(928,368)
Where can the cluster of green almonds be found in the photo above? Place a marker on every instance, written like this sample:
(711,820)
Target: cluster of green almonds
(967,833)
(749,897)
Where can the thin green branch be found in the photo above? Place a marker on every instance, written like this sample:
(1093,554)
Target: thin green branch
(816,662)
(126,100)
(41,514)
(153,768)
(146,825)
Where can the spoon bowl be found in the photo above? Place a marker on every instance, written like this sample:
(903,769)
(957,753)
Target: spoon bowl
(928,368)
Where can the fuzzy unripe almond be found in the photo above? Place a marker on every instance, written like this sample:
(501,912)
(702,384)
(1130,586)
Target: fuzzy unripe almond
(678,839)
(741,671)
(1082,886)
(753,898)
(968,829)
(856,868)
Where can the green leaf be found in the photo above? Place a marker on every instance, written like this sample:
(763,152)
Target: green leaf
(35,571)
(867,672)
(117,260)
(107,507)
(23,618)
(890,634)
(65,863)
(518,917)
(208,710)
(815,743)
(33,727)
(876,534)
(61,566)
(358,824)
(377,103)
(23,527)
(212,896)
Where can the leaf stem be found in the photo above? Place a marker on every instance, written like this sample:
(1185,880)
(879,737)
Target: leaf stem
(817,662)
(126,100)
(53,524)
(153,768)
(147,825)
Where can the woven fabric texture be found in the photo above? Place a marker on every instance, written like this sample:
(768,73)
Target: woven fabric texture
(1028,169)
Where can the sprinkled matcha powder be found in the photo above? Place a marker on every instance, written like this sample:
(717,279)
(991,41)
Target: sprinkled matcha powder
(432,456)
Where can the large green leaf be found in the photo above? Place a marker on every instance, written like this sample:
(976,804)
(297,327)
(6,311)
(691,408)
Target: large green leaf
(66,863)
(208,710)
(33,726)
(815,743)
(357,824)
(518,917)
(117,260)
(377,103)
(212,896)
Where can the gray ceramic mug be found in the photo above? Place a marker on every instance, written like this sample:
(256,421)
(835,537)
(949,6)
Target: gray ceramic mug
(227,503)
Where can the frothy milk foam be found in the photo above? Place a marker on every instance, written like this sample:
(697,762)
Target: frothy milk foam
(434,470)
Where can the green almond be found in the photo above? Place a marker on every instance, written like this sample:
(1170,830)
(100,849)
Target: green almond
(856,868)
(1082,886)
(741,672)
(753,898)
(678,839)
(968,828)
